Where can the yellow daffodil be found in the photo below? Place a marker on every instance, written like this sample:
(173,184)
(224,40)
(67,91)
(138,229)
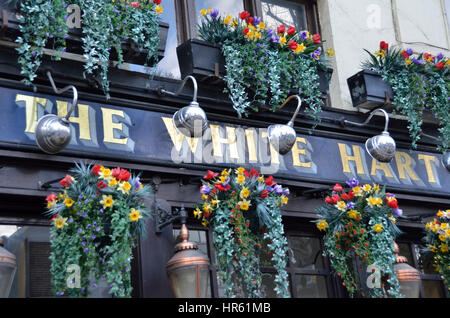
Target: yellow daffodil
(442,237)
(322,225)
(300,48)
(444,226)
(408,62)
(124,187)
(250,34)
(135,215)
(381,53)
(244,205)
(225,172)
(393,220)
(113,182)
(283,41)
(223,179)
(60,222)
(378,228)
(284,199)
(367,187)
(262,25)
(207,207)
(159,9)
(257,35)
(203,12)
(353,214)
(240,170)
(357,191)
(444,248)
(447,233)
(197,213)
(341,205)
(261,179)
(215,202)
(205,223)
(51,204)
(240,179)
(234,23)
(440,213)
(107,201)
(68,202)
(228,20)
(204,197)
(330,52)
(245,193)
(376,188)
(374,201)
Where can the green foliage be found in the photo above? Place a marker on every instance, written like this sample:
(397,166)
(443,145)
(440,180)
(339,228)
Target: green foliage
(437,240)
(96,221)
(359,224)
(105,24)
(263,67)
(420,82)
(244,212)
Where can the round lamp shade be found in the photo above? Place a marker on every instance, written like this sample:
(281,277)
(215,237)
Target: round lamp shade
(282,137)
(381,147)
(191,120)
(53,134)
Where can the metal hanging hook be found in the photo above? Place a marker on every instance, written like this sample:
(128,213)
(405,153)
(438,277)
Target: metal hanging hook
(386,116)
(194,82)
(60,91)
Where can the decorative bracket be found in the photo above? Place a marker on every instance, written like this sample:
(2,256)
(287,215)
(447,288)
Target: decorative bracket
(166,217)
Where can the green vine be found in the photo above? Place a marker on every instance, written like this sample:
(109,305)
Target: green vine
(420,82)
(96,220)
(106,25)
(264,66)
(244,212)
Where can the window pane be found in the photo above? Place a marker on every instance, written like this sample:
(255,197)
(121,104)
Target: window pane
(311,286)
(168,67)
(307,252)
(31,246)
(231,7)
(277,12)
(433,288)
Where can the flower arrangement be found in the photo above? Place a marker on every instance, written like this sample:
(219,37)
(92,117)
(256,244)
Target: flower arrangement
(96,220)
(437,240)
(419,81)
(106,23)
(360,221)
(264,65)
(244,210)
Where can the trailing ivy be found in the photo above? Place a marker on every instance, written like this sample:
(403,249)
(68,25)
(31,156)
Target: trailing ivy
(96,220)
(265,66)
(420,82)
(106,25)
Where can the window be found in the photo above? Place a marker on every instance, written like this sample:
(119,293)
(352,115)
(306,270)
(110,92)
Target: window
(231,7)
(432,284)
(284,12)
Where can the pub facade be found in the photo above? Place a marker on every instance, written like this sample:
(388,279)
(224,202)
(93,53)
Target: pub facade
(134,129)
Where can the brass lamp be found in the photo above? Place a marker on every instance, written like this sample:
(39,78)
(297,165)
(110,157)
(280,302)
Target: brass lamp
(8,266)
(188,269)
(408,276)
(381,147)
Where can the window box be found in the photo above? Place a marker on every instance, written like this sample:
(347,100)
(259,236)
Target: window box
(10,30)
(368,90)
(204,61)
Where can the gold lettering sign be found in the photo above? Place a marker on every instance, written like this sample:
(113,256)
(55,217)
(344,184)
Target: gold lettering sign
(109,126)
(355,158)
(31,110)
(404,162)
(218,141)
(177,137)
(427,160)
(274,155)
(380,166)
(296,152)
(82,120)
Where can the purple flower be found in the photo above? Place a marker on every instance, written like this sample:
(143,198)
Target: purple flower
(97,228)
(353,183)
(304,35)
(86,250)
(398,212)
(440,56)
(418,62)
(84,215)
(256,20)
(278,189)
(101,210)
(93,237)
(204,189)
(86,201)
(350,205)
(269,32)
(214,13)
(80,196)
(83,243)
(275,38)
(410,51)
(70,220)
(89,226)
(286,191)
(80,231)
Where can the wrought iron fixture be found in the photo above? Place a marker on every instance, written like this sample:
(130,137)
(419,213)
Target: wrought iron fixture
(188,269)
(381,147)
(53,133)
(191,120)
(283,137)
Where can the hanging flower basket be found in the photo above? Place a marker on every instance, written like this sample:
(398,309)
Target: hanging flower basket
(417,85)
(437,240)
(360,229)
(96,219)
(243,210)
(260,66)
(109,31)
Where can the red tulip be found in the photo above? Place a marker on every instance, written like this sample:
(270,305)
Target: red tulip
(244,15)
(51,197)
(210,175)
(137,4)
(281,29)
(101,185)
(393,204)
(250,20)
(317,39)
(124,175)
(96,169)
(337,187)
(157,2)
(405,55)
(384,46)
(269,181)
(291,31)
(264,193)
(245,31)
(440,66)
(66,181)
(292,45)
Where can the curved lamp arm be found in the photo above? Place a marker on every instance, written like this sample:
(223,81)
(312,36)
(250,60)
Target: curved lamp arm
(291,122)
(386,116)
(189,77)
(60,91)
